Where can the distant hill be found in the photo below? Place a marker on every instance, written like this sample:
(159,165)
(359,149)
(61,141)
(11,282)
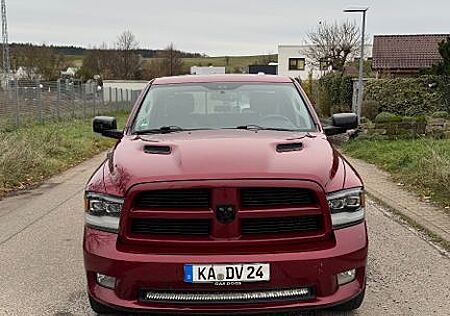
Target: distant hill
(80,51)
(233,64)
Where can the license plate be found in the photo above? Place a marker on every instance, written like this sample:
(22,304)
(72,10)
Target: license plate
(213,273)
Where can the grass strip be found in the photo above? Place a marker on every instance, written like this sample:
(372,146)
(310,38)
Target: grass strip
(423,164)
(32,154)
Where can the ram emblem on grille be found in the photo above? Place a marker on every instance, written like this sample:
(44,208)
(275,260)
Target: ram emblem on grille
(225,213)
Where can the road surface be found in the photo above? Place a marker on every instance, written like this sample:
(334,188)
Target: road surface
(41,264)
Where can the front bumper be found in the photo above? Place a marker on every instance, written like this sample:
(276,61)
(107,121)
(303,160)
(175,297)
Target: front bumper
(314,269)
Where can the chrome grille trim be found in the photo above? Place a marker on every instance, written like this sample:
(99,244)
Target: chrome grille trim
(227,297)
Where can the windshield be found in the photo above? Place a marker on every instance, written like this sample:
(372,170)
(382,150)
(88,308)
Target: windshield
(223,105)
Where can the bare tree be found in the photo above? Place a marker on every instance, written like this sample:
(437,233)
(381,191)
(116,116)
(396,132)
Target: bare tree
(172,61)
(97,61)
(332,44)
(154,69)
(38,61)
(127,63)
(167,63)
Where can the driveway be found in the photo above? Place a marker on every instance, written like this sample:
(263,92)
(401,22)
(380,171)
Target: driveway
(41,264)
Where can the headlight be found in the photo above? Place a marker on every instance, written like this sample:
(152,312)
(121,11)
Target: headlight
(346,207)
(103,211)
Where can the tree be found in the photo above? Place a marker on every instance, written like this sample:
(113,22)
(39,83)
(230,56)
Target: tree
(333,44)
(127,63)
(167,63)
(38,62)
(50,63)
(172,62)
(97,62)
(154,69)
(443,67)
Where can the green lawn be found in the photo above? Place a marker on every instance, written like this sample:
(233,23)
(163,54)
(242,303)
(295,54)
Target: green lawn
(423,164)
(31,154)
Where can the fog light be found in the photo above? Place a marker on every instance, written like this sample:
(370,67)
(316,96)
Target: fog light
(106,281)
(346,277)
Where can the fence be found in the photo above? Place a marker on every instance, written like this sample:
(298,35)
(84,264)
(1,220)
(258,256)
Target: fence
(24,102)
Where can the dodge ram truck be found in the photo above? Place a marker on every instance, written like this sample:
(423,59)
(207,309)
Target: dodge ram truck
(224,195)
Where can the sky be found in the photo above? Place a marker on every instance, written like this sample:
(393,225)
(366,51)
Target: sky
(225,27)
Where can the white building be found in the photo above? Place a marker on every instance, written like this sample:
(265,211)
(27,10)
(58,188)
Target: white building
(26,73)
(69,72)
(293,62)
(210,70)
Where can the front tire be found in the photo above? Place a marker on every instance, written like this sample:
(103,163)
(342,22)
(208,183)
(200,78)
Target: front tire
(100,308)
(351,305)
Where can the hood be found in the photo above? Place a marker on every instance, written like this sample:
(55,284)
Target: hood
(223,154)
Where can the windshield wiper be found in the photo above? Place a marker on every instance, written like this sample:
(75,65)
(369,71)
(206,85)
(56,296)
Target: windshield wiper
(168,130)
(161,130)
(254,127)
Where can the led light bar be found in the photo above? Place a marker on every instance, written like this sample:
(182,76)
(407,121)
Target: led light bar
(227,297)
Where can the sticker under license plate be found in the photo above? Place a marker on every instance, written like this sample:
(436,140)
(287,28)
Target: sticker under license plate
(213,273)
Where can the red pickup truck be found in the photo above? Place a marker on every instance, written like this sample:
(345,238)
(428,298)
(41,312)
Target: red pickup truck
(223,195)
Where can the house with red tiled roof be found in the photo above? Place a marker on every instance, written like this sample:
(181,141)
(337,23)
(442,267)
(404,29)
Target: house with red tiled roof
(402,55)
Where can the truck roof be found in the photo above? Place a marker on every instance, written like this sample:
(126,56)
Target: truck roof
(222,78)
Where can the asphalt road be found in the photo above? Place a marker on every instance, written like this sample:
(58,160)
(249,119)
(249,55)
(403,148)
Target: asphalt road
(41,265)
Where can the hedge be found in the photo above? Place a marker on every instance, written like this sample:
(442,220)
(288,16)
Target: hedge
(410,96)
(336,92)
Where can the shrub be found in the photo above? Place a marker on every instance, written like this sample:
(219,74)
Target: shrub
(410,96)
(336,90)
(420,118)
(340,108)
(370,109)
(324,103)
(386,117)
(440,114)
(408,119)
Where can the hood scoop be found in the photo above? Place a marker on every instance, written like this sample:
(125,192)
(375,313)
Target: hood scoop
(284,148)
(157,150)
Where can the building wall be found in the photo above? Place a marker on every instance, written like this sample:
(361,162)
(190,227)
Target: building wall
(210,70)
(285,52)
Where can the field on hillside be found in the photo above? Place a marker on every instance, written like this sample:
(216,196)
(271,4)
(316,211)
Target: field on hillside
(232,63)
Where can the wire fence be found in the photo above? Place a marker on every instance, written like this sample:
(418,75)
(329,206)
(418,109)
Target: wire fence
(25,102)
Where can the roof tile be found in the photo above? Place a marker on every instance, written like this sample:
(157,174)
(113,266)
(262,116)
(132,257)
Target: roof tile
(406,51)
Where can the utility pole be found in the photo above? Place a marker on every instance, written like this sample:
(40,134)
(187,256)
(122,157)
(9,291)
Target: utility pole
(6,63)
(361,61)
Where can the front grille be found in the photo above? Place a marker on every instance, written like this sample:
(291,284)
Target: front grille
(252,226)
(261,197)
(170,226)
(181,198)
(241,297)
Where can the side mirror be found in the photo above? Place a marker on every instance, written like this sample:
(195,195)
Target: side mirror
(107,126)
(340,123)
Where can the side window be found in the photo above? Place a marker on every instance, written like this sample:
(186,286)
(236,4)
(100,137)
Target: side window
(296,63)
